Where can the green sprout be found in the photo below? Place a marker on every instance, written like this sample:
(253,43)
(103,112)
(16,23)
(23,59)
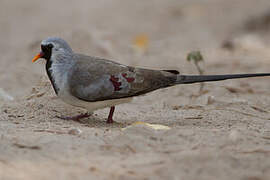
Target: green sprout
(196,57)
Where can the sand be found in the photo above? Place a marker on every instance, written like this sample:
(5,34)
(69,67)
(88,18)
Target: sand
(222,133)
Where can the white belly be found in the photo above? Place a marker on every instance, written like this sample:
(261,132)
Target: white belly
(90,106)
(60,75)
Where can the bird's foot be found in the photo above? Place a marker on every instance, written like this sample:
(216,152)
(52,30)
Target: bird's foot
(109,121)
(75,118)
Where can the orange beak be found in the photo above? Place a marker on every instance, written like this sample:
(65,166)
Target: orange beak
(40,55)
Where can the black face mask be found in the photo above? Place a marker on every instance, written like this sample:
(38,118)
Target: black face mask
(47,51)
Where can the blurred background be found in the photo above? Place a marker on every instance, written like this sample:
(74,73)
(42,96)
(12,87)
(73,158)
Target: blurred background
(221,132)
(152,33)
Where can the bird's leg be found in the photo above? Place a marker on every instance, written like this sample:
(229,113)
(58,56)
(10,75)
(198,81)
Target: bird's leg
(75,118)
(110,117)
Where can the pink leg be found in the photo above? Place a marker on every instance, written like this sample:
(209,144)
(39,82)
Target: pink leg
(110,117)
(75,118)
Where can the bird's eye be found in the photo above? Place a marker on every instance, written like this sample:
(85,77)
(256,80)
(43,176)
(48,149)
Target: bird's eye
(50,46)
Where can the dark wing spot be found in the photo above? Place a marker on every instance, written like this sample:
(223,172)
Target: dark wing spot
(172,71)
(115,83)
(129,79)
(131,69)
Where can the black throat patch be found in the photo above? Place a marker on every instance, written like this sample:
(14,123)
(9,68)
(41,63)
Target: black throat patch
(47,50)
(49,73)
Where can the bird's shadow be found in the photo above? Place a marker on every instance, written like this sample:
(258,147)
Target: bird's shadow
(101,123)
(97,122)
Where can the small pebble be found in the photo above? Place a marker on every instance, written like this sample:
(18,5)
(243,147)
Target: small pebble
(5,96)
(75,131)
(210,100)
(234,135)
(40,106)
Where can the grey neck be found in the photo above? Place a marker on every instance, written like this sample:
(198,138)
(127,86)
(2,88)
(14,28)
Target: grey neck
(57,68)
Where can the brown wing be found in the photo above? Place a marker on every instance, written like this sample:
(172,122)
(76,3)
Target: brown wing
(95,79)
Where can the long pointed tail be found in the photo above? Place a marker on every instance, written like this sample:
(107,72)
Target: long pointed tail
(188,79)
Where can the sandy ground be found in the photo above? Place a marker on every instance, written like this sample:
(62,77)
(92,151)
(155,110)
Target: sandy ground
(223,133)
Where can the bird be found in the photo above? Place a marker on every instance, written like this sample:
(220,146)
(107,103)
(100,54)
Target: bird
(94,83)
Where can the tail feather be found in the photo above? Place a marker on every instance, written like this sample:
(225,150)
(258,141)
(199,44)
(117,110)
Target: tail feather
(188,79)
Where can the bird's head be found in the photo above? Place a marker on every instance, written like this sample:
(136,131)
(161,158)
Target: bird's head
(52,46)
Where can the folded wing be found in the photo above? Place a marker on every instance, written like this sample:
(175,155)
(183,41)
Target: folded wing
(95,79)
